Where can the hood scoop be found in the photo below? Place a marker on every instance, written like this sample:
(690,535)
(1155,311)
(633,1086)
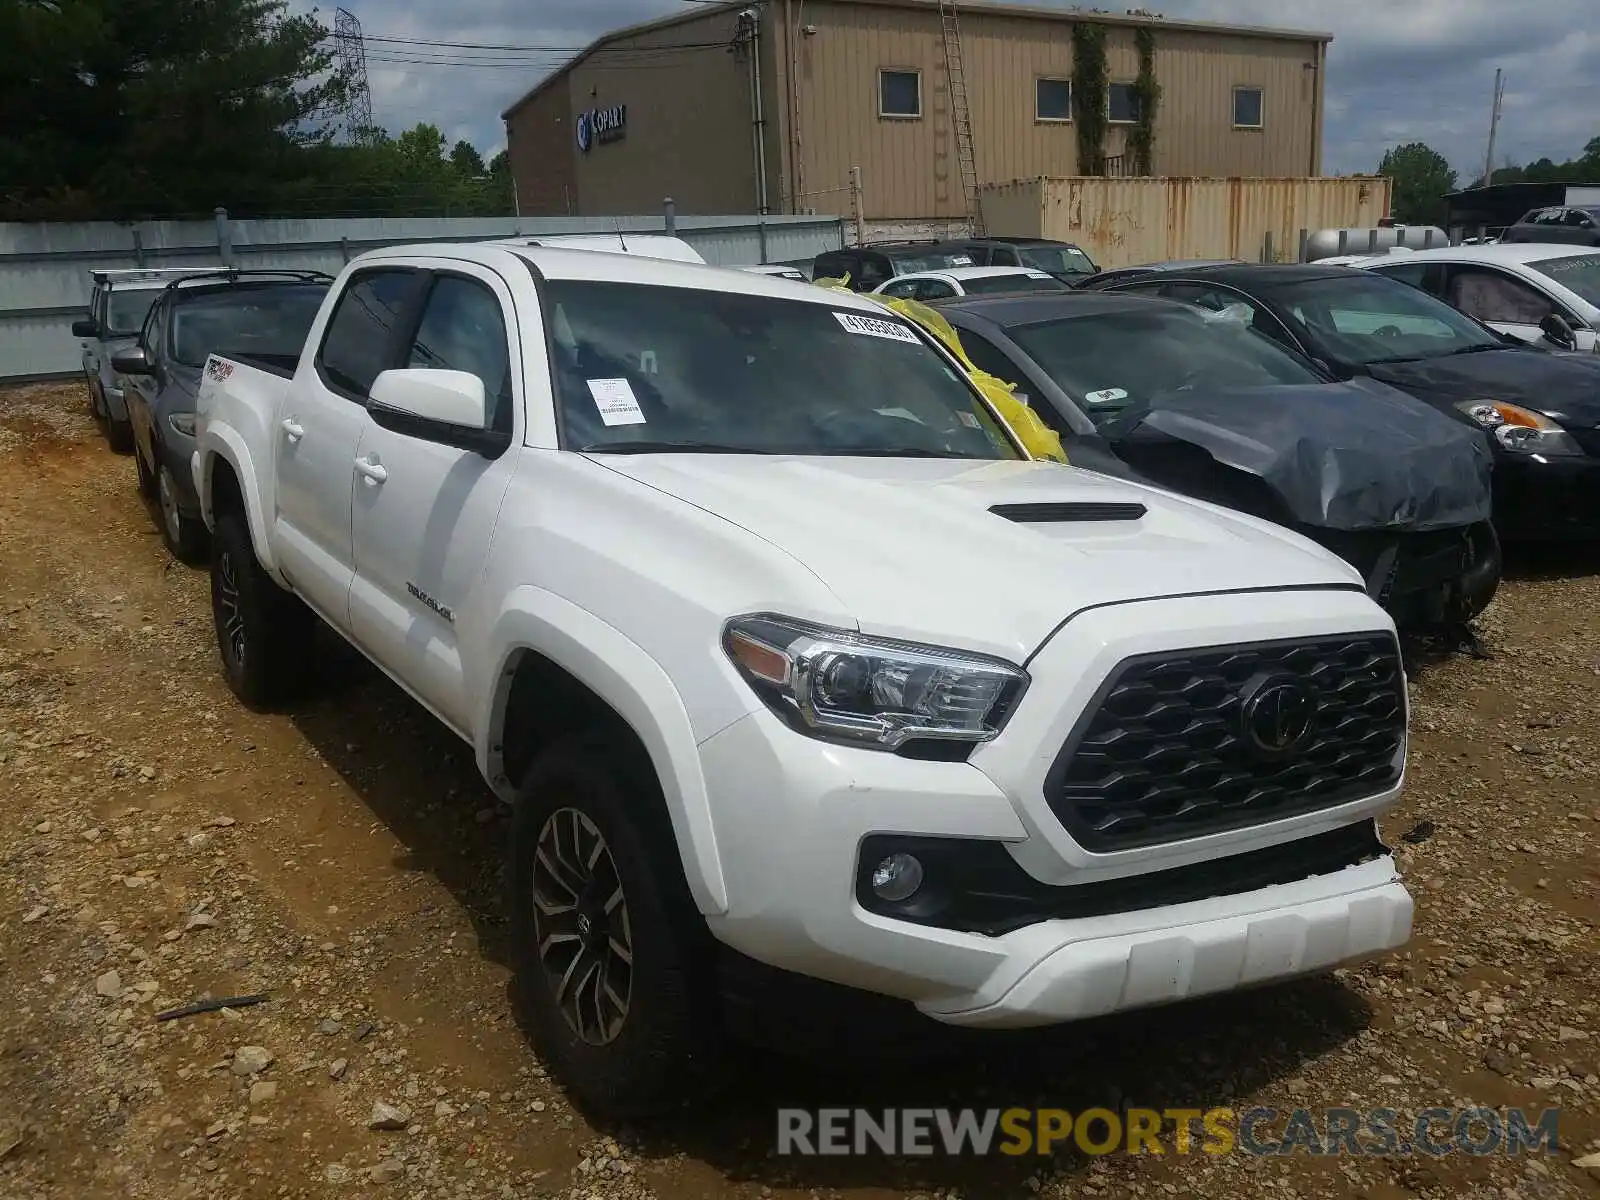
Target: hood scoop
(1070,511)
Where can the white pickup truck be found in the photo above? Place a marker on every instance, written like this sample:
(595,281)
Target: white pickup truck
(785,651)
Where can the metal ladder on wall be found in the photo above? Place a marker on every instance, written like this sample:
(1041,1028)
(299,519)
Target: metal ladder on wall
(960,115)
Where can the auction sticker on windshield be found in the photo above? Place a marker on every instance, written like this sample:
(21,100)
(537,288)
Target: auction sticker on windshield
(1106,396)
(874,327)
(616,402)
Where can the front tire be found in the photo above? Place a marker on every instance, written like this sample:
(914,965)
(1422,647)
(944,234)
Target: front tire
(264,633)
(184,535)
(608,946)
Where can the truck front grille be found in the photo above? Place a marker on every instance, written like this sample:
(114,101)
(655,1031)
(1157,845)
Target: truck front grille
(1176,745)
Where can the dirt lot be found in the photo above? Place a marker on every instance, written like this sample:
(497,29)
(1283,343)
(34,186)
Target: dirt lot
(161,845)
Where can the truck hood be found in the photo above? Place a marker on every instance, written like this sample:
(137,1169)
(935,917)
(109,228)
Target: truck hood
(912,550)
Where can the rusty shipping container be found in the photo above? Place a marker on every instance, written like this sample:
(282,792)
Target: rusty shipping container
(1121,222)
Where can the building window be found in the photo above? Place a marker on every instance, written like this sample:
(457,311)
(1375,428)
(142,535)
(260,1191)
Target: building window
(899,93)
(1122,104)
(1247,108)
(1052,100)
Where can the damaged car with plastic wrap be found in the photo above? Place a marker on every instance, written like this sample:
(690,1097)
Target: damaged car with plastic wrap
(1202,404)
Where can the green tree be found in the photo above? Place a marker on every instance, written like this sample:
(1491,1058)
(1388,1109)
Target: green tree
(464,157)
(123,108)
(1421,180)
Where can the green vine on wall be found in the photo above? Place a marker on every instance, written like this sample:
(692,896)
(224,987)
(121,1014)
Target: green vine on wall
(1089,95)
(1146,102)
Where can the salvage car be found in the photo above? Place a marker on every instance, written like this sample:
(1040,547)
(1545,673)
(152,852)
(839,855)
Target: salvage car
(117,307)
(1539,412)
(969,281)
(1202,404)
(1547,296)
(785,653)
(1065,260)
(872,263)
(1115,275)
(252,315)
(1573,225)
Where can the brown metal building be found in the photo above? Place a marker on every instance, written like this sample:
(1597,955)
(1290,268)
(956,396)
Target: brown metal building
(767,106)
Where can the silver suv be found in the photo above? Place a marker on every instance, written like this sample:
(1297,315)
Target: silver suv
(117,308)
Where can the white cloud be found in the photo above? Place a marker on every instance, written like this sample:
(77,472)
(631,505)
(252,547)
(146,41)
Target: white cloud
(1397,72)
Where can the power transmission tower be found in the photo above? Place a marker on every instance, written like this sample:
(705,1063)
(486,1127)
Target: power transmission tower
(960,116)
(350,52)
(1494,125)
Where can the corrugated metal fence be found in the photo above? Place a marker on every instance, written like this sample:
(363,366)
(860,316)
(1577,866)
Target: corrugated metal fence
(44,268)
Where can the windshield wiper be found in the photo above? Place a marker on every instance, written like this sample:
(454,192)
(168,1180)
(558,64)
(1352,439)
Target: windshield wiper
(1479,349)
(667,448)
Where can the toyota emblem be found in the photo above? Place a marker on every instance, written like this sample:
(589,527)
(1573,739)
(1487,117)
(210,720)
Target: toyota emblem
(1278,714)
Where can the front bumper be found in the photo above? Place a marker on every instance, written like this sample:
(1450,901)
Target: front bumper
(791,816)
(1547,500)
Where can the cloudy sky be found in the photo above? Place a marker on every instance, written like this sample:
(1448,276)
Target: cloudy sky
(1398,71)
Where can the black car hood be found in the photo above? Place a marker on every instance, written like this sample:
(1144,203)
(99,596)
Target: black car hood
(1564,388)
(1346,456)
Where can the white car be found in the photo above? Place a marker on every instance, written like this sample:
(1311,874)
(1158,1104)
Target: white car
(1514,287)
(782,647)
(969,281)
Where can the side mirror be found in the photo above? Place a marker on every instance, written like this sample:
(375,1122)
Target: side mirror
(1555,329)
(86,327)
(449,407)
(135,360)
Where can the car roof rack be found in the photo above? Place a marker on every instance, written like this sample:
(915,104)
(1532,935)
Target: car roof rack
(235,274)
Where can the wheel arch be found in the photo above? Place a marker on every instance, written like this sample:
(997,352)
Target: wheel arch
(225,481)
(560,669)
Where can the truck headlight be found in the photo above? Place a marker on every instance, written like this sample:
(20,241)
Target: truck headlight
(1519,429)
(182,422)
(841,686)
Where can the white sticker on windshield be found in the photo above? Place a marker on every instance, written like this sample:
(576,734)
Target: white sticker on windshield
(970,420)
(616,402)
(960,260)
(1107,396)
(877,327)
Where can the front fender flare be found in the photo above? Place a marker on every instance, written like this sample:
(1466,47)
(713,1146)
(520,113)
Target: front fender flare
(621,673)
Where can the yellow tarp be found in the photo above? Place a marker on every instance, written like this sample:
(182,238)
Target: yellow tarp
(1038,438)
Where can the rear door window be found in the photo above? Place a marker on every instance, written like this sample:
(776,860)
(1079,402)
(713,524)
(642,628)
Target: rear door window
(360,340)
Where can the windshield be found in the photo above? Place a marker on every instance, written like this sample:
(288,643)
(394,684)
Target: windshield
(1366,318)
(245,321)
(1012,283)
(1111,361)
(126,310)
(1058,260)
(645,368)
(1578,274)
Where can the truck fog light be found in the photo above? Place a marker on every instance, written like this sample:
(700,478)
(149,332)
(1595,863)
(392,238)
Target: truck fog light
(897,878)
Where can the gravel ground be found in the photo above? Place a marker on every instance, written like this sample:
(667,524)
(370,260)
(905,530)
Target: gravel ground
(161,846)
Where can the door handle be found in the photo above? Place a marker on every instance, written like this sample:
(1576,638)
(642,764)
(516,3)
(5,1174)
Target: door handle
(293,429)
(371,470)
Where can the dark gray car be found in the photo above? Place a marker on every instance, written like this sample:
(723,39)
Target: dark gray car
(1202,404)
(251,315)
(1569,225)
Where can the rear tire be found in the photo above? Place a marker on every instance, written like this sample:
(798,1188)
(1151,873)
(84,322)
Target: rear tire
(610,953)
(263,632)
(184,535)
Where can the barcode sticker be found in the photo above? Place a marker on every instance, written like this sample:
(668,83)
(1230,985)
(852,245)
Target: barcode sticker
(877,327)
(1108,396)
(616,402)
